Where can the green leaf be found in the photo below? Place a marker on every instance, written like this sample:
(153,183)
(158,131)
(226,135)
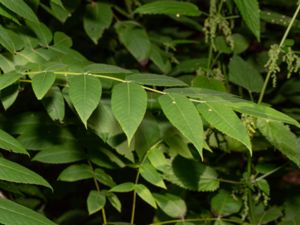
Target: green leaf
(124,187)
(114,201)
(169,8)
(135,39)
(264,186)
(104,178)
(149,173)
(12,213)
(97,17)
(59,11)
(85,94)
(8,79)
(226,121)
(13,172)
(95,202)
(75,173)
(184,116)
(244,74)
(170,204)
(58,154)
(9,143)
(158,159)
(155,80)
(6,41)
(223,204)
(192,175)
(54,103)
(41,83)
(105,69)
(20,8)
(251,15)
(144,193)
(160,59)
(129,103)
(9,95)
(281,137)
(42,32)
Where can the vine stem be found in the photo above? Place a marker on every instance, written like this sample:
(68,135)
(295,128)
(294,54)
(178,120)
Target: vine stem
(263,90)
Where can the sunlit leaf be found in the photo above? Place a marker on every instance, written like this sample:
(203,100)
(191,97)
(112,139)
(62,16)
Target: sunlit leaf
(170,204)
(144,193)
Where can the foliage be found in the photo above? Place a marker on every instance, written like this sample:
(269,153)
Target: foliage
(149,112)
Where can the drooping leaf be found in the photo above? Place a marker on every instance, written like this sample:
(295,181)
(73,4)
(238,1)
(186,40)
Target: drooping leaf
(76,172)
(9,95)
(114,201)
(149,173)
(281,137)
(226,121)
(85,92)
(184,116)
(192,175)
(135,39)
(244,74)
(170,204)
(144,193)
(14,172)
(169,8)
(41,83)
(129,103)
(155,80)
(160,59)
(251,15)
(21,9)
(9,143)
(12,213)
(54,103)
(95,201)
(97,17)
(8,79)
(223,204)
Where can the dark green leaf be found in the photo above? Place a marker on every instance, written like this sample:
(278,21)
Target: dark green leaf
(169,8)
(244,74)
(8,79)
(9,143)
(97,17)
(75,173)
(223,204)
(135,39)
(6,41)
(251,15)
(9,95)
(54,103)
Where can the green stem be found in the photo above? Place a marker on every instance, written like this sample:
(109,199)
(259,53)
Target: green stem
(134,198)
(98,190)
(263,90)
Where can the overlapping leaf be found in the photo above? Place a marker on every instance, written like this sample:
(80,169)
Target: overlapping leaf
(41,83)
(184,116)
(9,143)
